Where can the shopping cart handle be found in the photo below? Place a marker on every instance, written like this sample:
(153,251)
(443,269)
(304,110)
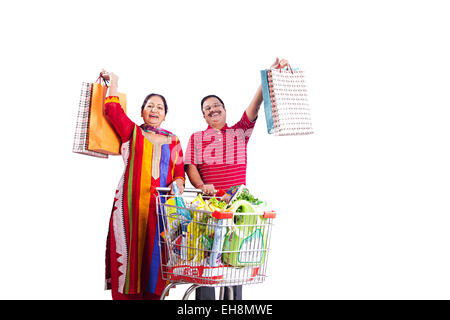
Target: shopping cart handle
(222,215)
(218,192)
(269,214)
(164,189)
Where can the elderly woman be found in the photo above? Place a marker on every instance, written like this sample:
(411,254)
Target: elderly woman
(153,158)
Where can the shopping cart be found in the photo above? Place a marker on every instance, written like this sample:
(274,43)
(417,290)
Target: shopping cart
(211,248)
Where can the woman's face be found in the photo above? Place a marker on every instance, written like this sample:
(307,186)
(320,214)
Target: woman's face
(154,112)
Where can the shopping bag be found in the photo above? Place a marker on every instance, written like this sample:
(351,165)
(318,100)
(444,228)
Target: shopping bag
(246,243)
(102,137)
(285,102)
(80,143)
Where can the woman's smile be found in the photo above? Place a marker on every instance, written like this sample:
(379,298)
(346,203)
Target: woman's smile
(153,113)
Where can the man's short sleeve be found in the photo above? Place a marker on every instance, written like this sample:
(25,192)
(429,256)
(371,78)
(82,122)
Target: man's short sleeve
(244,123)
(244,126)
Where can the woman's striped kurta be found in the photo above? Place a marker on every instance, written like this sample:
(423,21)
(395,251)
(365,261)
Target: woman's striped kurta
(132,255)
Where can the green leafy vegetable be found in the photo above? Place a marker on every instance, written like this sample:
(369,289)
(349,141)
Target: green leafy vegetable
(246,195)
(217,203)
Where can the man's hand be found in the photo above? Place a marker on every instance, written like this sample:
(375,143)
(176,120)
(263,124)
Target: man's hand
(253,108)
(279,63)
(208,189)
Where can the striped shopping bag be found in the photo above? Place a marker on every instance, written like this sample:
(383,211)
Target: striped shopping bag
(286,102)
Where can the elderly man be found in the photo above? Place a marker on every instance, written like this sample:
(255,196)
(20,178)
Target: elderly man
(216,158)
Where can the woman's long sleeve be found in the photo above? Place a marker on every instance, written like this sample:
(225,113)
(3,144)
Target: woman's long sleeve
(117,117)
(178,172)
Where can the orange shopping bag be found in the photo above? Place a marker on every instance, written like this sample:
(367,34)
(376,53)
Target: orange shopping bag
(102,137)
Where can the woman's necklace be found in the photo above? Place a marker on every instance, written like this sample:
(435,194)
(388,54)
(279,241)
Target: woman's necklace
(148,128)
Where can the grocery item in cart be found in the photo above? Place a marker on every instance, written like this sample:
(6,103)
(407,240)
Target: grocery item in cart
(233,192)
(225,244)
(216,205)
(244,194)
(172,222)
(216,250)
(199,232)
(184,217)
(221,229)
(246,243)
(182,210)
(199,238)
(197,204)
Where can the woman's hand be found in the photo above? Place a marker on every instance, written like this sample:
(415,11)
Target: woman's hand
(113,81)
(279,63)
(208,189)
(180,184)
(112,77)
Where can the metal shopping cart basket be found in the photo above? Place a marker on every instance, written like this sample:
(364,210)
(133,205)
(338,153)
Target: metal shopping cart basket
(211,248)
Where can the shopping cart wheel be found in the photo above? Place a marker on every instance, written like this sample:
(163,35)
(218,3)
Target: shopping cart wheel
(166,290)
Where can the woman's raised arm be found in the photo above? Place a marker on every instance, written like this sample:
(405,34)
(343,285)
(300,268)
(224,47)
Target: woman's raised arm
(113,110)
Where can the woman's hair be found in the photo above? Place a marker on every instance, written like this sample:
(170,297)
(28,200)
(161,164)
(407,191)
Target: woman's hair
(211,96)
(157,95)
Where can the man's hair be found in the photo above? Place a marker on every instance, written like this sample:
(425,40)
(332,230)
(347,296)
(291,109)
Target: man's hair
(211,96)
(153,95)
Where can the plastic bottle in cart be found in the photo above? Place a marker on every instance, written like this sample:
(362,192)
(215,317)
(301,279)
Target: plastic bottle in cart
(219,232)
(180,203)
(216,250)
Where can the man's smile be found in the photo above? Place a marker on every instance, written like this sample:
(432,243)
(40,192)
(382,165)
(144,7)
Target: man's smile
(215,113)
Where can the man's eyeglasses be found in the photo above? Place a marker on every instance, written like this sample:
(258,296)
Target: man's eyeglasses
(214,106)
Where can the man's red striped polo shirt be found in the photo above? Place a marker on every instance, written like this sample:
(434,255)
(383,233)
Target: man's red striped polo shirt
(221,155)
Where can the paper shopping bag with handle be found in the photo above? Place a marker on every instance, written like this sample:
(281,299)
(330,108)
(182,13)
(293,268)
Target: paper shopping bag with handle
(80,143)
(102,137)
(285,102)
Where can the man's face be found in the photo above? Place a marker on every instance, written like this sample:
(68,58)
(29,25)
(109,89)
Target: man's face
(214,113)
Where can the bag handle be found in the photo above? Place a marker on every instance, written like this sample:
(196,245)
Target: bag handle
(288,67)
(100,78)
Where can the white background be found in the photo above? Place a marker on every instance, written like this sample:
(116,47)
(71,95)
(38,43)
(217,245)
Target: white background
(363,205)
